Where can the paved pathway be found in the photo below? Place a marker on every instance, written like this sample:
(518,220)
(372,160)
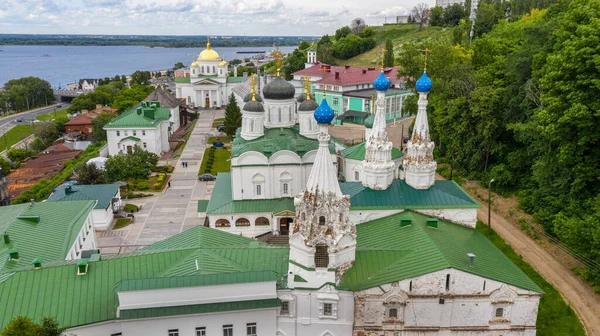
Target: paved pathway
(173,211)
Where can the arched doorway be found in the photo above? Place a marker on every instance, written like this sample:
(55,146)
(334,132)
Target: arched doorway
(284,225)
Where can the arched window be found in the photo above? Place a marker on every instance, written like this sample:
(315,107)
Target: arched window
(356,176)
(202,69)
(261,221)
(321,256)
(499,312)
(222,223)
(214,71)
(258,190)
(279,114)
(447,281)
(393,313)
(285,189)
(242,222)
(303,216)
(321,220)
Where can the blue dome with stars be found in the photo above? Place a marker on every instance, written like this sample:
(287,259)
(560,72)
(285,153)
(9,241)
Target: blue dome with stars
(424,83)
(324,114)
(381,83)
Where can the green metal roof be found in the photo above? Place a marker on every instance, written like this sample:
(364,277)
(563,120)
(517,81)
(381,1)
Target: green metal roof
(146,115)
(387,252)
(182,79)
(132,138)
(199,309)
(357,152)
(196,281)
(50,238)
(103,193)
(277,139)
(57,290)
(442,195)
(221,200)
(235,79)
(202,205)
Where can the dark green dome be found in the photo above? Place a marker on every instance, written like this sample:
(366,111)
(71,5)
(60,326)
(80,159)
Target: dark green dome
(253,106)
(279,89)
(301,97)
(308,105)
(249,98)
(370,120)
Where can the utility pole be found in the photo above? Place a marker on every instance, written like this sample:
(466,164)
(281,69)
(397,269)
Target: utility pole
(490,203)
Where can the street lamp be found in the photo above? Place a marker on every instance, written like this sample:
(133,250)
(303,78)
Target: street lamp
(490,203)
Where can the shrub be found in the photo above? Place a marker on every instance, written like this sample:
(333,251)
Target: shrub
(157,186)
(142,185)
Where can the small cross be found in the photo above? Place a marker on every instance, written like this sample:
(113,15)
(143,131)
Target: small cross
(307,86)
(277,55)
(427,51)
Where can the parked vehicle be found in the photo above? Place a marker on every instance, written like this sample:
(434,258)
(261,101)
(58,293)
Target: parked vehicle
(207,177)
(220,127)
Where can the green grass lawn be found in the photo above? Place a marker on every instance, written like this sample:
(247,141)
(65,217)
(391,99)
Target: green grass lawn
(14,135)
(50,115)
(130,208)
(221,162)
(555,316)
(121,223)
(217,121)
(224,139)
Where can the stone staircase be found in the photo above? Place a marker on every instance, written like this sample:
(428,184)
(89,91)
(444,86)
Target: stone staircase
(272,239)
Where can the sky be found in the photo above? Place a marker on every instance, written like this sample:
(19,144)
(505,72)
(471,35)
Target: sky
(194,17)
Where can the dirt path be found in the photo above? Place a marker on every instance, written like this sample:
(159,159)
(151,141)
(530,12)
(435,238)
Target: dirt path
(575,291)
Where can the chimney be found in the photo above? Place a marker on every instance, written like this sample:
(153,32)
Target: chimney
(364,71)
(32,202)
(471,259)
(6,238)
(68,189)
(245,76)
(290,280)
(14,254)
(37,263)
(347,67)
(82,266)
(337,75)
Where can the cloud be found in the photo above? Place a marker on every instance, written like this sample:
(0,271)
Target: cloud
(392,11)
(102,3)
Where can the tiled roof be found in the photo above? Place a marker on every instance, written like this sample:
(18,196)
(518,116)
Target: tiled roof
(348,75)
(49,238)
(387,252)
(143,116)
(357,152)
(103,193)
(399,195)
(84,119)
(165,98)
(221,201)
(277,139)
(199,309)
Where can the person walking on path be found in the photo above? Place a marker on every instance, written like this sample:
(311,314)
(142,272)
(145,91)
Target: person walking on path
(169,184)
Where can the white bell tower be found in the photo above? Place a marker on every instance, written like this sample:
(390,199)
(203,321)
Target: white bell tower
(311,57)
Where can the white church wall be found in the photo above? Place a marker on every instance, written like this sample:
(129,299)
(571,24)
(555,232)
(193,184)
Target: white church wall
(465,217)
(361,216)
(351,167)
(251,230)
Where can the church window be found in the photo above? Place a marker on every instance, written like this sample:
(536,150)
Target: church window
(214,71)
(321,220)
(285,308)
(125,133)
(143,132)
(134,133)
(321,256)
(251,329)
(173,332)
(327,309)
(202,69)
(200,331)
(251,125)
(258,190)
(228,330)
(303,216)
(279,114)
(285,189)
(410,286)
(356,176)
(393,313)
(499,312)
(447,281)
(336,101)
(242,222)
(118,133)
(261,221)
(145,145)
(222,223)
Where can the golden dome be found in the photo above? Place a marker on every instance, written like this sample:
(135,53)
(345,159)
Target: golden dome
(195,64)
(208,54)
(223,63)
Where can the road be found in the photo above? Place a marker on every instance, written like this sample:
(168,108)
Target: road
(7,123)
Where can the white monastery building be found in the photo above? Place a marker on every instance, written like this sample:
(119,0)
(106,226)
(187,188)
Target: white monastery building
(290,251)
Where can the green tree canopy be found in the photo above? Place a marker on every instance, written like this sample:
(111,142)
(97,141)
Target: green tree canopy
(98,123)
(135,165)
(140,77)
(342,32)
(88,173)
(388,58)
(233,116)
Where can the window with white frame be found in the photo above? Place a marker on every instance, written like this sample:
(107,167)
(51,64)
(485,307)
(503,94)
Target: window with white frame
(200,331)
(356,176)
(336,88)
(327,309)
(145,146)
(258,190)
(125,133)
(173,332)
(118,133)
(393,313)
(228,330)
(336,101)
(285,308)
(143,132)
(251,329)
(285,189)
(499,312)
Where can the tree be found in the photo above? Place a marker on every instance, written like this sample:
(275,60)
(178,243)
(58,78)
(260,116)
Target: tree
(129,97)
(436,16)
(50,327)
(351,46)
(303,46)
(88,173)
(4,166)
(233,116)
(420,13)
(342,32)
(21,326)
(453,14)
(178,65)
(235,62)
(388,58)
(26,93)
(367,32)
(135,165)
(45,134)
(98,123)
(17,155)
(487,16)
(140,77)
(357,26)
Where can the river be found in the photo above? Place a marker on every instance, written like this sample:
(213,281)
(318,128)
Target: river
(61,65)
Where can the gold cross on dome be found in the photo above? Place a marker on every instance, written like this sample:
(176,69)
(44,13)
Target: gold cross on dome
(252,83)
(307,87)
(277,55)
(427,51)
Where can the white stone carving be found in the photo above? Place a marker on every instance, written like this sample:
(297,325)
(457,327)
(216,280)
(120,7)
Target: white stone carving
(419,165)
(378,167)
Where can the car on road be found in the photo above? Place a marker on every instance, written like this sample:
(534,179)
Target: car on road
(220,127)
(207,177)
(58,105)
(19,120)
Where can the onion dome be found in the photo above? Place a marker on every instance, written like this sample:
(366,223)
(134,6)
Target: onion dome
(301,97)
(249,98)
(279,89)
(424,83)
(324,114)
(253,106)
(381,83)
(223,63)
(308,105)
(208,54)
(194,64)
(370,120)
